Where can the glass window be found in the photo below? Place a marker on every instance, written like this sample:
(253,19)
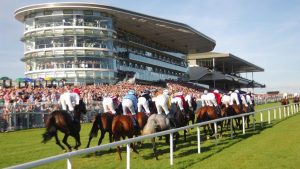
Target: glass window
(67,11)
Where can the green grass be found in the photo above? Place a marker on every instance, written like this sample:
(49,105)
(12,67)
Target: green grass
(274,146)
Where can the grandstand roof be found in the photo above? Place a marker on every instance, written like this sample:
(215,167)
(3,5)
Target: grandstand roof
(177,36)
(227,62)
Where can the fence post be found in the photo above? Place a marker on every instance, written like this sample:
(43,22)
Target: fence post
(274,113)
(284,112)
(216,131)
(261,119)
(253,117)
(269,116)
(288,110)
(69,164)
(171,148)
(231,132)
(128,156)
(15,117)
(27,115)
(199,139)
(279,108)
(243,118)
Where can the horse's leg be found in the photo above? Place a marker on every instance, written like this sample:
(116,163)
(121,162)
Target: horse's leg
(184,134)
(154,147)
(58,142)
(117,138)
(78,143)
(101,137)
(66,143)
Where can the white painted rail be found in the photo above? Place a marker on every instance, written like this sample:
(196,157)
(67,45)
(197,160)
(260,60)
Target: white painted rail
(127,142)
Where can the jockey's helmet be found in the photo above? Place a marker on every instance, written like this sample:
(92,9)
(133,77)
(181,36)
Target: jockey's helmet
(76,90)
(166,91)
(236,91)
(205,92)
(146,91)
(216,91)
(131,92)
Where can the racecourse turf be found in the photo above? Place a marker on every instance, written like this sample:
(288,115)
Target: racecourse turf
(271,146)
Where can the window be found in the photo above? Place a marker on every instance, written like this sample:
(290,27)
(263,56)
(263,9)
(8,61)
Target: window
(68,12)
(48,12)
(88,12)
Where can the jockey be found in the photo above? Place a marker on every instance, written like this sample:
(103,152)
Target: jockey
(235,97)
(226,99)
(161,102)
(296,95)
(244,101)
(217,96)
(285,96)
(189,99)
(143,101)
(249,101)
(110,104)
(203,99)
(212,100)
(68,99)
(179,99)
(130,102)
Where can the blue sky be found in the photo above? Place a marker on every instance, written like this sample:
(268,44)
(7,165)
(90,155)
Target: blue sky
(265,33)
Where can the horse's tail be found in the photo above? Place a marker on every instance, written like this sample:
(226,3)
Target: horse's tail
(150,127)
(50,129)
(97,122)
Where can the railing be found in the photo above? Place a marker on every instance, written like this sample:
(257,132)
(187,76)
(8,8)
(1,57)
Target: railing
(292,108)
(33,115)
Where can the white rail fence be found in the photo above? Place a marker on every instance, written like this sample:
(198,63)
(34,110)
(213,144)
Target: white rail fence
(287,110)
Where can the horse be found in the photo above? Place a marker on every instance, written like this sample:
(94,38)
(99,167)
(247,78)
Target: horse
(207,113)
(284,101)
(156,123)
(179,119)
(122,126)
(61,120)
(103,122)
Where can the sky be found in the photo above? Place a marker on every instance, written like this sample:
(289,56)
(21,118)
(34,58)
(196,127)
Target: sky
(265,33)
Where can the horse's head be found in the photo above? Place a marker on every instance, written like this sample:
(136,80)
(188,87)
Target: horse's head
(80,108)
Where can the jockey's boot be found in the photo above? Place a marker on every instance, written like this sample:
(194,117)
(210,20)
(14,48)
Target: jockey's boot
(218,111)
(171,118)
(135,124)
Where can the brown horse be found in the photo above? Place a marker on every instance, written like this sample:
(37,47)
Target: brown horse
(61,120)
(103,122)
(122,126)
(207,113)
(284,101)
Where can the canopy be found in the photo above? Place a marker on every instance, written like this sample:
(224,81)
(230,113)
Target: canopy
(20,79)
(48,78)
(26,79)
(39,79)
(5,78)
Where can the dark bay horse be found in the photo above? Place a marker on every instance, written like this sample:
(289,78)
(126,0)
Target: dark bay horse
(60,120)
(178,119)
(284,101)
(122,127)
(207,113)
(103,122)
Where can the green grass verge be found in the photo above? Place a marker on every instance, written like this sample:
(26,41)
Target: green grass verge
(274,146)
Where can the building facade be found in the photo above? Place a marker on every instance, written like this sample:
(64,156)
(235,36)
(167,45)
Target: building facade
(92,43)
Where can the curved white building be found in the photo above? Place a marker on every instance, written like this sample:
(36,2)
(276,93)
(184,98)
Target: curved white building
(92,43)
